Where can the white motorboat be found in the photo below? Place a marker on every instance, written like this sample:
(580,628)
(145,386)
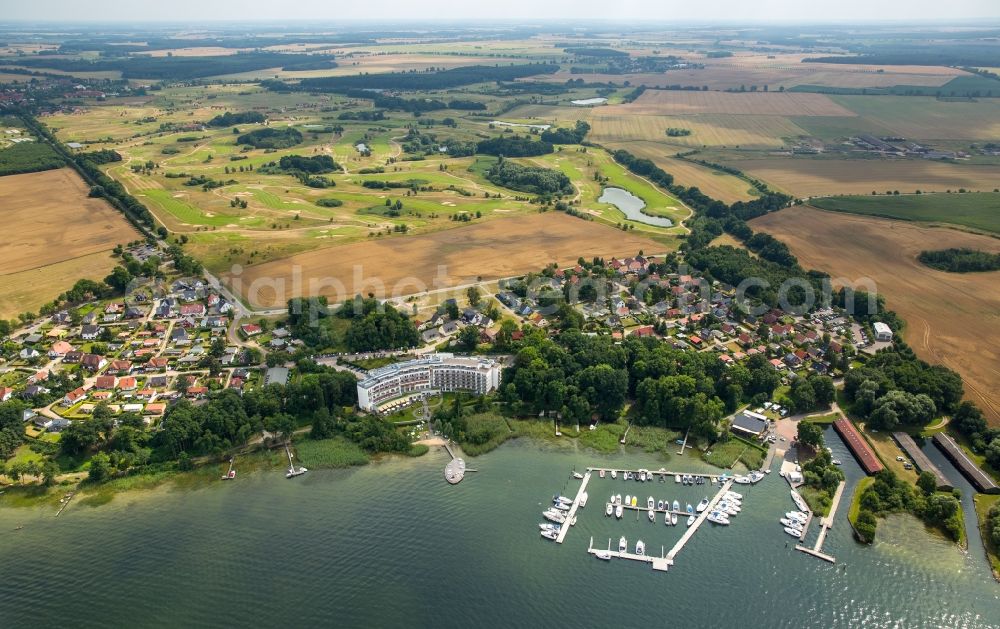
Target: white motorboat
(618,499)
(562,506)
(689,508)
(562,499)
(603,554)
(676,506)
(650,502)
(666,519)
(614,473)
(702,505)
(718,517)
(797,516)
(673,519)
(640,548)
(742,480)
(545,526)
(609,509)
(837,462)
(659,505)
(727,508)
(733,494)
(577,475)
(756,476)
(550,534)
(295,471)
(619,510)
(792,524)
(612,500)
(793,532)
(628,500)
(677,478)
(601,473)
(583,499)
(652,515)
(554,516)
(623,545)
(799,501)
(691,520)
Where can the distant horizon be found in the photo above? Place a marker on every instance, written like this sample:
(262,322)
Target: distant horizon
(569,11)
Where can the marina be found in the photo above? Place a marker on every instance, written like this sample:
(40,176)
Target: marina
(580,500)
(663,562)
(661,473)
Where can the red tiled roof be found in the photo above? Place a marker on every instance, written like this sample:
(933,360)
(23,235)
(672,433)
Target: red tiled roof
(857,444)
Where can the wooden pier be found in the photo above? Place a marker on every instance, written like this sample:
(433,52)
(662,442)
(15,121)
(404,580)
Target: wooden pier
(665,473)
(689,533)
(564,529)
(660,563)
(825,524)
(455,470)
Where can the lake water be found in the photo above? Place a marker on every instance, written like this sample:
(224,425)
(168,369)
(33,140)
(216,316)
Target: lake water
(632,206)
(392,545)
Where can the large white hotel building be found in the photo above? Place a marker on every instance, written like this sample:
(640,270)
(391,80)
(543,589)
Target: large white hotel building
(440,372)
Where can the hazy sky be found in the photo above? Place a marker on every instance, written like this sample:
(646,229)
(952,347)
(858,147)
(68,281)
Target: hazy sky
(331,10)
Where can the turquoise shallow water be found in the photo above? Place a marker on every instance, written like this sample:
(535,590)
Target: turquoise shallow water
(392,545)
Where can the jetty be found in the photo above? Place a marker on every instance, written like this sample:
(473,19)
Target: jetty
(455,470)
(689,533)
(824,526)
(65,502)
(660,563)
(664,473)
(292,470)
(685,442)
(571,514)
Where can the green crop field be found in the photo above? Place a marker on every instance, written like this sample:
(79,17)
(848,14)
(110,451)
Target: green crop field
(976,210)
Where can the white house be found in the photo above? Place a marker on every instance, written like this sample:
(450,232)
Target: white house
(882,331)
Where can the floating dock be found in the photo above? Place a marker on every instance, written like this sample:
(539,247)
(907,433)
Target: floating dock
(665,473)
(689,533)
(825,524)
(659,563)
(563,530)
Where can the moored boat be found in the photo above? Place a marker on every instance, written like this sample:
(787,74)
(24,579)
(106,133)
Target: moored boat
(577,475)
(799,501)
(676,506)
(673,520)
(689,508)
(619,510)
(792,524)
(659,505)
(635,501)
(550,534)
(614,473)
(733,494)
(702,505)
(677,478)
(652,515)
(742,480)
(666,519)
(640,548)
(601,473)
(650,502)
(609,509)
(793,532)
(603,554)
(691,520)
(622,545)
(718,517)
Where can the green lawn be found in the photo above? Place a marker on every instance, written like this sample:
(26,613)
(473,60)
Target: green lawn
(983,503)
(976,210)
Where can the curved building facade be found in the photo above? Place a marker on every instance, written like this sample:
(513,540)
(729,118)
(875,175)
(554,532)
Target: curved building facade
(440,372)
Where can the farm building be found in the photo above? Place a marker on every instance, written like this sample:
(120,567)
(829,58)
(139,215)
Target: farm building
(858,446)
(921,461)
(979,479)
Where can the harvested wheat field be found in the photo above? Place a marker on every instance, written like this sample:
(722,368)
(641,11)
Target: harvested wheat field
(678,103)
(408,265)
(952,318)
(716,184)
(54,220)
(805,177)
(706,130)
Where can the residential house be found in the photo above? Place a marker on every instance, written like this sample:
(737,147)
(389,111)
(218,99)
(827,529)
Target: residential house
(105,382)
(60,349)
(73,357)
(90,332)
(74,396)
(250,329)
(193,310)
(6,393)
(93,362)
(29,353)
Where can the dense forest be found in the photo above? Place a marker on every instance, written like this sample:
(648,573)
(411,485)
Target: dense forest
(513,146)
(960,260)
(370,325)
(541,181)
(271,138)
(230,118)
(422,81)
(170,67)
(562,135)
